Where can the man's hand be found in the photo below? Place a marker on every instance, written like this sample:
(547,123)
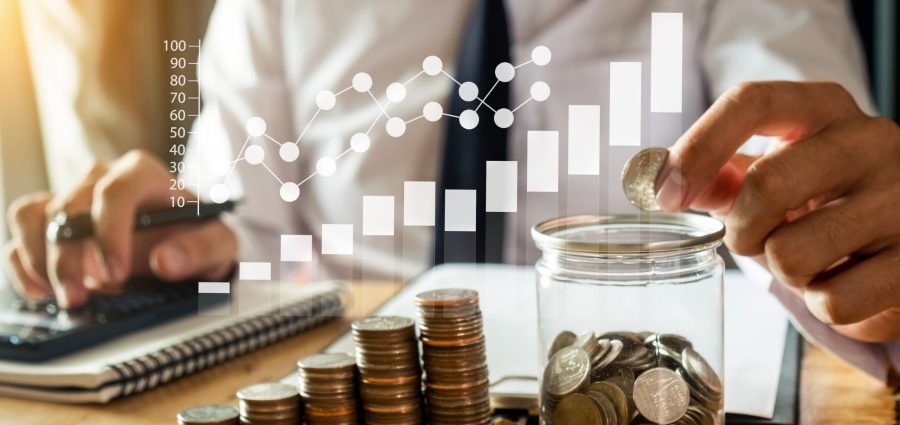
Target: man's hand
(111,193)
(821,211)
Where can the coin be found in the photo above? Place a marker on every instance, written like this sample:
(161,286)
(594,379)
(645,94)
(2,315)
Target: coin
(328,387)
(661,395)
(639,177)
(562,340)
(578,409)
(454,357)
(567,372)
(212,414)
(269,402)
(701,372)
(616,396)
(387,354)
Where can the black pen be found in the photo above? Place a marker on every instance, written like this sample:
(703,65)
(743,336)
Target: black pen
(66,228)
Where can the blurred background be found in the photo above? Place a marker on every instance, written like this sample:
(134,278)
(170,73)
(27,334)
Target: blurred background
(86,80)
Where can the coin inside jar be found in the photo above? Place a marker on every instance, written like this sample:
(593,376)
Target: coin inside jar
(639,177)
(661,395)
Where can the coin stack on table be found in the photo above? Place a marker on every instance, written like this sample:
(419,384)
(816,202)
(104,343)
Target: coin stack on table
(387,353)
(621,378)
(328,387)
(454,357)
(212,414)
(270,403)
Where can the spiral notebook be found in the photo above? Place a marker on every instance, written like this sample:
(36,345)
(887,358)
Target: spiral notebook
(257,314)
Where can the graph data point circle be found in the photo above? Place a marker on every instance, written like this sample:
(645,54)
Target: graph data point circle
(256,126)
(432,65)
(468,119)
(325,100)
(395,127)
(362,82)
(541,55)
(540,91)
(254,154)
(433,111)
(505,72)
(360,142)
(289,192)
(219,193)
(503,118)
(289,152)
(396,92)
(326,166)
(468,91)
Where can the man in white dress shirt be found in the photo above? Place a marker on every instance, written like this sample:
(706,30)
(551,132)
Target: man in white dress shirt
(271,59)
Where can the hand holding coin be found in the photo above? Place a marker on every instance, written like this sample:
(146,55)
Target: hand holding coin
(820,210)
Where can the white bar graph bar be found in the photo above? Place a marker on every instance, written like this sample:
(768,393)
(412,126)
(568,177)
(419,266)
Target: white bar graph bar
(296,248)
(625,103)
(337,239)
(254,271)
(501,193)
(459,211)
(378,215)
(213,287)
(418,203)
(584,140)
(665,62)
(542,174)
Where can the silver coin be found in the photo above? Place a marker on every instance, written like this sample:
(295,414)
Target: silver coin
(661,395)
(568,371)
(209,414)
(383,323)
(615,348)
(268,391)
(327,361)
(562,340)
(700,371)
(639,177)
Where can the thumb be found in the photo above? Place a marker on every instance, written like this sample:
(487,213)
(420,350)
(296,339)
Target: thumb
(207,251)
(718,197)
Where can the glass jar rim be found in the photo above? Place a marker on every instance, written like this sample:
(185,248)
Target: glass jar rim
(700,232)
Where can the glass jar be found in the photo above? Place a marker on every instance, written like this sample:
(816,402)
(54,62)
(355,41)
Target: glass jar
(630,319)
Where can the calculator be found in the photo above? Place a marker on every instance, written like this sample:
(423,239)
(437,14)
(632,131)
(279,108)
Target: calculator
(35,331)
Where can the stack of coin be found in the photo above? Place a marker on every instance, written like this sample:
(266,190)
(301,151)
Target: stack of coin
(212,414)
(626,377)
(271,403)
(387,354)
(328,387)
(455,359)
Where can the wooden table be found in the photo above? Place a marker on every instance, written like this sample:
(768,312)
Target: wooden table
(832,392)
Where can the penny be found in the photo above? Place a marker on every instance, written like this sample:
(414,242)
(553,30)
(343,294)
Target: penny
(661,395)
(578,409)
(639,177)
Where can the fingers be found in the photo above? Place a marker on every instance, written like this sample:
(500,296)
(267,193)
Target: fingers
(137,179)
(721,193)
(25,282)
(209,250)
(798,251)
(857,292)
(27,220)
(787,110)
(790,177)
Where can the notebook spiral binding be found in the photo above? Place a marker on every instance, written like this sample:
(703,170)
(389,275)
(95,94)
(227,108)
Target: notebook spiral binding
(193,355)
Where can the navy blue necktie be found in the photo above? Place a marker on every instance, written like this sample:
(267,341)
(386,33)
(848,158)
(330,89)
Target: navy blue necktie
(485,44)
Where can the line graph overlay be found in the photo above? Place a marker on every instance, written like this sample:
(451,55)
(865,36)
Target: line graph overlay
(253,153)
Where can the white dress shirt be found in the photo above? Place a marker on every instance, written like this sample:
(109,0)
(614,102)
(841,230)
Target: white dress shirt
(271,59)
